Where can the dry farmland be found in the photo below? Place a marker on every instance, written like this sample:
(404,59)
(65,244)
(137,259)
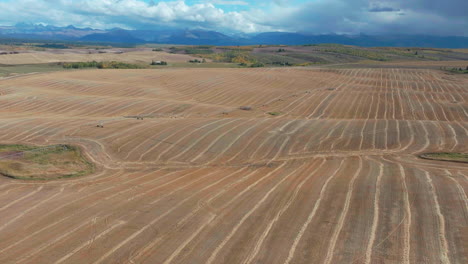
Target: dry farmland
(124,55)
(323,168)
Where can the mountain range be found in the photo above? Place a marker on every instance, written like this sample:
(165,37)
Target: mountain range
(205,37)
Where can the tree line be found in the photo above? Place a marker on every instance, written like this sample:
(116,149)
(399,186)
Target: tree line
(101,65)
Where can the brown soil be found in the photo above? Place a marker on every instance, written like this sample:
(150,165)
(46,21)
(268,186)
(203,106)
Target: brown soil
(333,179)
(144,56)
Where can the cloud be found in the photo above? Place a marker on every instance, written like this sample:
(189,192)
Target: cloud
(384,9)
(356,16)
(225,2)
(447,8)
(128,14)
(318,16)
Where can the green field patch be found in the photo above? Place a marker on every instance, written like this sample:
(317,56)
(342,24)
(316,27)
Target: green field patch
(11,70)
(445,156)
(26,162)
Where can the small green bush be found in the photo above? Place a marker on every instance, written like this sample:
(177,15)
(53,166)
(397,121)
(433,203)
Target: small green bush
(274,113)
(257,65)
(197,61)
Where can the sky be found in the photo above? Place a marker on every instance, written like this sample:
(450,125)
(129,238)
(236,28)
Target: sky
(374,17)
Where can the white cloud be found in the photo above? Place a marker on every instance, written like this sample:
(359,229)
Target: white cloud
(133,13)
(230,2)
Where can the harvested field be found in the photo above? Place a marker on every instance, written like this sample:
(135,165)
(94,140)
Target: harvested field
(76,56)
(334,177)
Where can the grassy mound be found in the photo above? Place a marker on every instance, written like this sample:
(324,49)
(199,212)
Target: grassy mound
(456,157)
(43,162)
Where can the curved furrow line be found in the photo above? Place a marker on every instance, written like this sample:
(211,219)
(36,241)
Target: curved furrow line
(29,103)
(426,139)
(461,192)
(143,253)
(252,155)
(146,141)
(4,225)
(120,133)
(398,135)
(454,137)
(142,194)
(234,141)
(289,135)
(411,142)
(214,254)
(152,222)
(216,140)
(133,138)
(89,242)
(253,138)
(58,221)
(51,132)
(116,206)
(358,107)
(258,245)
(462,125)
(324,101)
(331,102)
(407,232)
(32,253)
(21,198)
(163,139)
(5,190)
(337,139)
(310,94)
(413,162)
(192,145)
(186,242)
(120,110)
(307,136)
(375,221)
(342,218)
(329,135)
(25,132)
(297,239)
(444,259)
(187,135)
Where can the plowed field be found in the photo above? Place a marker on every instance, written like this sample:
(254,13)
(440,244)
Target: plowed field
(323,169)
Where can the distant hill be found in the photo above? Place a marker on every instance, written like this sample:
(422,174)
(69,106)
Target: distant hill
(361,40)
(203,37)
(198,37)
(115,36)
(38,31)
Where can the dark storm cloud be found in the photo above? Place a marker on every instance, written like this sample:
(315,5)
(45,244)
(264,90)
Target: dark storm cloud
(373,17)
(445,8)
(384,9)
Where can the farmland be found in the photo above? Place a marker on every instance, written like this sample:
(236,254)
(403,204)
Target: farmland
(266,165)
(74,55)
